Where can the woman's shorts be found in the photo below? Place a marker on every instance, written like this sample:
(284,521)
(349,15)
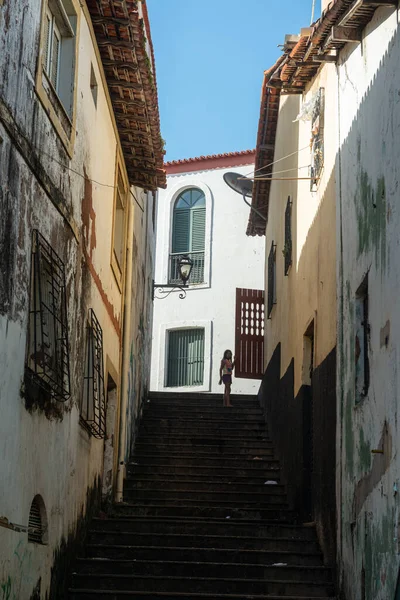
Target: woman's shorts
(227,379)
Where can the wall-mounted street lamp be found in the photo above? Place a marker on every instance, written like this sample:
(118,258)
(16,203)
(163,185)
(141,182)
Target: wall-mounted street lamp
(185,265)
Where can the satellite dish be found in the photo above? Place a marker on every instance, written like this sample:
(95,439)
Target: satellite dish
(241,184)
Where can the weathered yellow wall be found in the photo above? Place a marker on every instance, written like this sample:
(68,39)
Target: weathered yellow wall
(308,292)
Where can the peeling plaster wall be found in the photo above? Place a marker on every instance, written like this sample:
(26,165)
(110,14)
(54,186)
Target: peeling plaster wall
(51,454)
(368,242)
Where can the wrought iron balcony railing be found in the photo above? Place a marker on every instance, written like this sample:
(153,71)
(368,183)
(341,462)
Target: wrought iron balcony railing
(197,274)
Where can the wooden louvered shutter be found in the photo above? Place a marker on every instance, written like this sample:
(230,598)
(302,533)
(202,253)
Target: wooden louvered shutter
(185,357)
(198,229)
(181,231)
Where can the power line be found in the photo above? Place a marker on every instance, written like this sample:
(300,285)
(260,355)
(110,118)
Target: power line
(278,160)
(107,185)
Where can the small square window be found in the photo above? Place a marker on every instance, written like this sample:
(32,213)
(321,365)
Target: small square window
(93,85)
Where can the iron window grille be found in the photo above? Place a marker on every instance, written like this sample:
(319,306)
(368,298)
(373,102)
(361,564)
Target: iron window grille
(287,251)
(93,408)
(317,139)
(47,348)
(271,279)
(197,274)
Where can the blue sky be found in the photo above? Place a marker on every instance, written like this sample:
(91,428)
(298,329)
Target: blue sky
(210,57)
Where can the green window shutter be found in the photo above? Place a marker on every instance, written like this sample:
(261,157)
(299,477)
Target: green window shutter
(181,230)
(198,229)
(185,357)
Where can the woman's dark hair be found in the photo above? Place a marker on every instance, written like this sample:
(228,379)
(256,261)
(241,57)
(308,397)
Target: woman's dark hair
(226,352)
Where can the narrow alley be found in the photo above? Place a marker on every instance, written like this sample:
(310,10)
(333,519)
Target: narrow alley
(199,282)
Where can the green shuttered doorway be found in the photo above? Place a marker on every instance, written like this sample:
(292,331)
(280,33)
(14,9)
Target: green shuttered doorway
(185,357)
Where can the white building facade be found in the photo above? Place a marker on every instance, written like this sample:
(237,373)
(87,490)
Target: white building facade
(199,215)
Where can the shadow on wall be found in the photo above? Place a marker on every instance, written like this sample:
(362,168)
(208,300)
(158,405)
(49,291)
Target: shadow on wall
(303,428)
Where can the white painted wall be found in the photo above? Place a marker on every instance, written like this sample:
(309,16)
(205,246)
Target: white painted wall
(232,260)
(368,177)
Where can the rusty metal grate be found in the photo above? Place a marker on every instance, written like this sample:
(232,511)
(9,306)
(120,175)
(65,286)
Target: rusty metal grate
(317,140)
(93,408)
(35,527)
(47,348)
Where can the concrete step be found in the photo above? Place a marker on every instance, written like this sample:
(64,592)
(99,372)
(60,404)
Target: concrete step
(266,497)
(203,474)
(229,527)
(193,411)
(189,554)
(187,540)
(246,462)
(206,439)
(213,416)
(197,426)
(181,510)
(203,486)
(86,594)
(205,569)
(205,405)
(200,584)
(187,450)
(189,398)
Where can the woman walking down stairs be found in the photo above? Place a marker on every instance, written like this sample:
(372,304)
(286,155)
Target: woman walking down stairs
(204,515)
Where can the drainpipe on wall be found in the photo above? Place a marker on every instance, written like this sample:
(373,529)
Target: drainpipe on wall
(340,331)
(125,361)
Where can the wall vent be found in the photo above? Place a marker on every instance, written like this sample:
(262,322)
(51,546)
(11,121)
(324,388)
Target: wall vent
(37,526)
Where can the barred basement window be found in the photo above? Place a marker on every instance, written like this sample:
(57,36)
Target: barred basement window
(271,279)
(47,347)
(93,408)
(287,251)
(317,139)
(37,524)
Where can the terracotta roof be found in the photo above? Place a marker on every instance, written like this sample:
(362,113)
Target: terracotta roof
(211,161)
(290,75)
(122,35)
(267,126)
(312,50)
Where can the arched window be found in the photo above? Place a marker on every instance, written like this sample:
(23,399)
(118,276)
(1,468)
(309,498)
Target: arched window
(188,233)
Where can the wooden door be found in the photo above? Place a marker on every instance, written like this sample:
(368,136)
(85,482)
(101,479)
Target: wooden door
(249,334)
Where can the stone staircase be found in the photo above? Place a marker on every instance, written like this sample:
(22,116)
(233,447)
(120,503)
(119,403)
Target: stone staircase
(204,514)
